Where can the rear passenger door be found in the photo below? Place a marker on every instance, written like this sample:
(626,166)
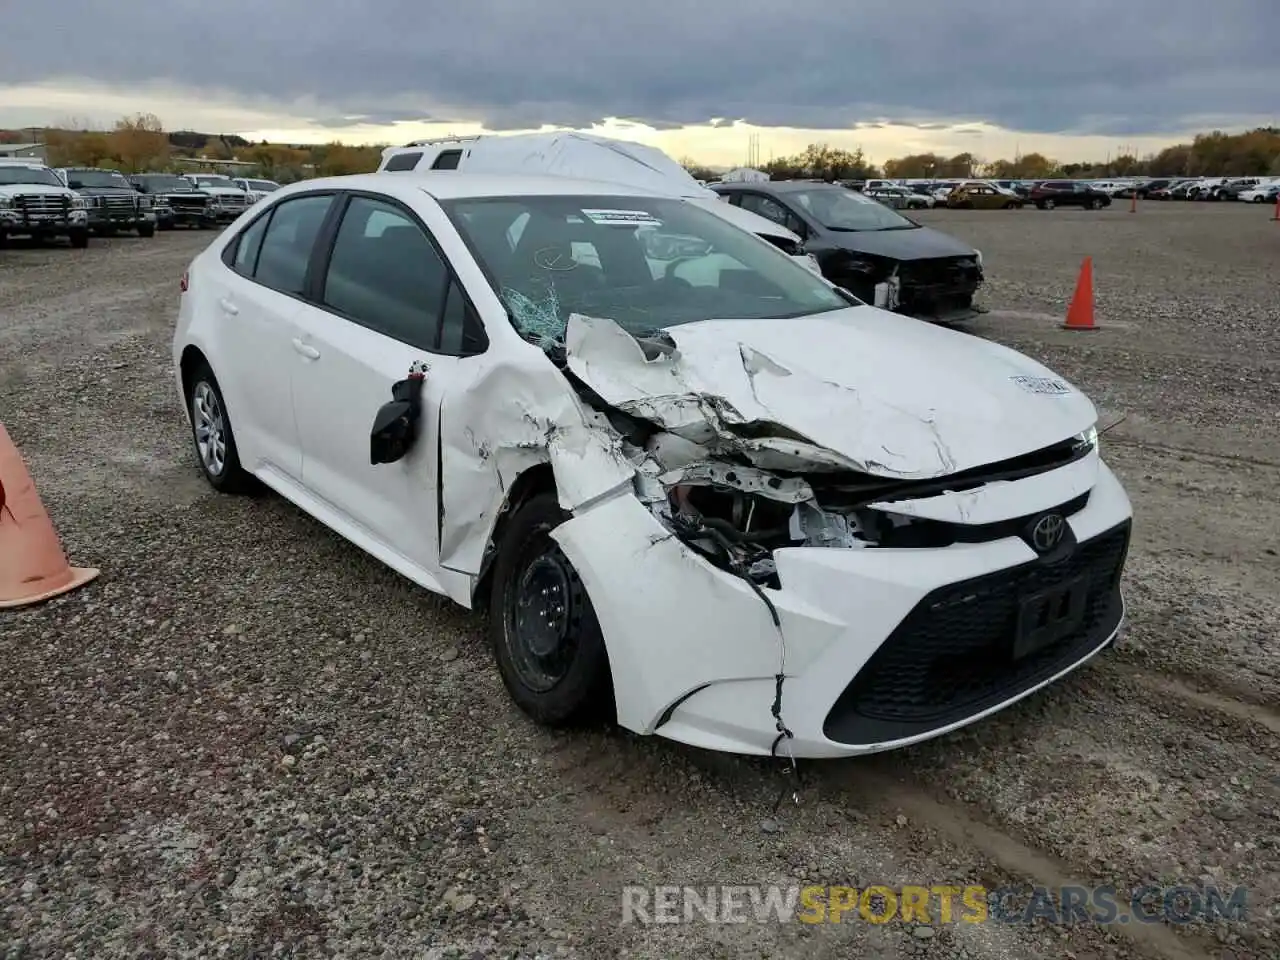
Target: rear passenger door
(383,298)
(257,298)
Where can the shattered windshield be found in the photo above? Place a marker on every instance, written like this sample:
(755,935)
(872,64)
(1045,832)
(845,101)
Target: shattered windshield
(838,208)
(645,263)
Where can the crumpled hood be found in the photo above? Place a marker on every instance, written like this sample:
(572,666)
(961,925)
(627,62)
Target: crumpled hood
(918,244)
(858,389)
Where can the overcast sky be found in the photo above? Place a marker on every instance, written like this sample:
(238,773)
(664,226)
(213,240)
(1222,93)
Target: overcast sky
(1121,70)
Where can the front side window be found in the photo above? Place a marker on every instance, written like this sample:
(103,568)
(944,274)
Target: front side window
(385,274)
(447,160)
(402,162)
(288,242)
(645,263)
(773,210)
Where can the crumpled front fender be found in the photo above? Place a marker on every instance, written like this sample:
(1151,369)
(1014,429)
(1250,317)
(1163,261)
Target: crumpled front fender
(672,622)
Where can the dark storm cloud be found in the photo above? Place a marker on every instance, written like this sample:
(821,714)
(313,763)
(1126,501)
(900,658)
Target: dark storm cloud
(1142,66)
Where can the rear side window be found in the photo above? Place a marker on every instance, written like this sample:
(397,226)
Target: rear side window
(289,240)
(402,161)
(245,259)
(447,160)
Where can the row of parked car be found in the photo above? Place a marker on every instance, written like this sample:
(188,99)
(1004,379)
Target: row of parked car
(1047,194)
(76,203)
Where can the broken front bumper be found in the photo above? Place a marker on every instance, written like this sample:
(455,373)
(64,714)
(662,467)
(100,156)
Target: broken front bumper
(879,648)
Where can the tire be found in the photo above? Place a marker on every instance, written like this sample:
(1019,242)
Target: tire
(79,238)
(1095,204)
(210,426)
(1048,205)
(1259,199)
(1010,206)
(147,230)
(552,661)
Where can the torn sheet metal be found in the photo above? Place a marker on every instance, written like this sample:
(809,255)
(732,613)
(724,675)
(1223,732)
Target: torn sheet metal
(673,622)
(743,479)
(509,417)
(854,389)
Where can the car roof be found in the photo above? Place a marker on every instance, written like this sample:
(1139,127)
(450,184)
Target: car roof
(458,185)
(780,186)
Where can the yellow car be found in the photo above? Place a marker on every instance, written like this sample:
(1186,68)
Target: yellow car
(981,196)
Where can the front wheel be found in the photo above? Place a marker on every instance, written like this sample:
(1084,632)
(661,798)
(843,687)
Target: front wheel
(211,431)
(546,638)
(79,238)
(1095,204)
(147,230)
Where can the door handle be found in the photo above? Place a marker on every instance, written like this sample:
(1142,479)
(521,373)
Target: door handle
(308,351)
(228,307)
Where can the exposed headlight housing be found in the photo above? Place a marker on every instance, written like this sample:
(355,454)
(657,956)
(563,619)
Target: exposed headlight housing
(1084,442)
(77,203)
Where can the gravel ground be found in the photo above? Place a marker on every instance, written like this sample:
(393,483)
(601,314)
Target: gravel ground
(248,739)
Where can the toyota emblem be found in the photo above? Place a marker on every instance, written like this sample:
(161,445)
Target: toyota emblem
(1047,533)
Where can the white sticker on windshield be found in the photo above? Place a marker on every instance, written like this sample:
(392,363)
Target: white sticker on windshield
(630,218)
(1046,386)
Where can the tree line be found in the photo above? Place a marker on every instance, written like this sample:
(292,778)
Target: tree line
(1256,152)
(140,143)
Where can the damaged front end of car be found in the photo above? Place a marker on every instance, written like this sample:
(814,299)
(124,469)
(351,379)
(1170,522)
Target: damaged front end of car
(780,559)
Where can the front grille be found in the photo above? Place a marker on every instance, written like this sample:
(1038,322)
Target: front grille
(183,202)
(42,203)
(951,657)
(120,202)
(944,276)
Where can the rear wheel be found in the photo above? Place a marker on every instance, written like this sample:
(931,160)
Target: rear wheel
(1095,204)
(546,638)
(1048,205)
(211,431)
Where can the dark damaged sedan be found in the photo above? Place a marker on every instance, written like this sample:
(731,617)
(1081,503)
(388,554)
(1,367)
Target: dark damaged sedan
(876,253)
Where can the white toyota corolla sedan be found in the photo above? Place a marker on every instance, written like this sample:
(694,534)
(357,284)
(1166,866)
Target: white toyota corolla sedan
(698,488)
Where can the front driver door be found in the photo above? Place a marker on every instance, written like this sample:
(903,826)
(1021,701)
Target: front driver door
(385,300)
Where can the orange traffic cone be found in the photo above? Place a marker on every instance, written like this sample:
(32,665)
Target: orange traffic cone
(1080,313)
(1276,215)
(33,567)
